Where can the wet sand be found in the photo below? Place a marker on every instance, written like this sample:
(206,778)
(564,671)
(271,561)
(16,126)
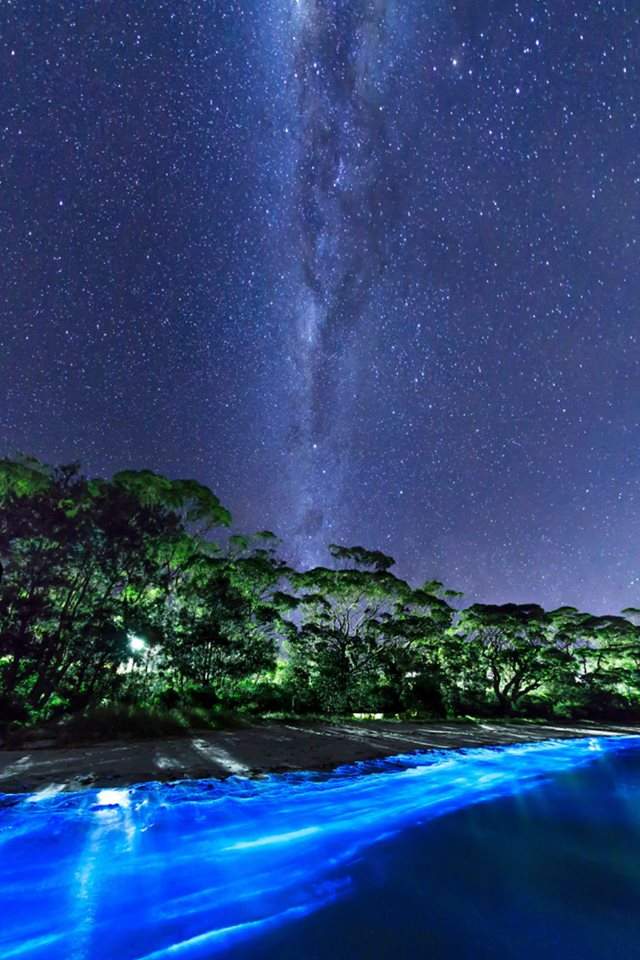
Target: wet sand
(259,750)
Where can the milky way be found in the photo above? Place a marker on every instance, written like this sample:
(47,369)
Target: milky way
(342,214)
(368,269)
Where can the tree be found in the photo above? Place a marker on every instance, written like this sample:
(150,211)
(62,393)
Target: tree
(509,646)
(603,653)
(224,624)
(410,639)
(360,632)
(85,563)
(89,567)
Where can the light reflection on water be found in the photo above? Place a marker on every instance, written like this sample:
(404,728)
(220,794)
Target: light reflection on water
(202,868)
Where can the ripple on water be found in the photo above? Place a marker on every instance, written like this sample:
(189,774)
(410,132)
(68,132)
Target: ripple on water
(189,868)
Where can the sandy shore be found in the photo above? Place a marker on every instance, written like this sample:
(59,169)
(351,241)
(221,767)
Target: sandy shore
(259,750)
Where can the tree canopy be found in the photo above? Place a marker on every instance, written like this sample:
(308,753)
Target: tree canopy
(134,590)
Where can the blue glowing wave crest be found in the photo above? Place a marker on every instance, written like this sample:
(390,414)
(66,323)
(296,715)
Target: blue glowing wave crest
(187,869)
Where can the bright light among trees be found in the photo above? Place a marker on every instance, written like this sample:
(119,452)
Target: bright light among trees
(136,644)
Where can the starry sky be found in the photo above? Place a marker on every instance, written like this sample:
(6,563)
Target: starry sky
(367,268)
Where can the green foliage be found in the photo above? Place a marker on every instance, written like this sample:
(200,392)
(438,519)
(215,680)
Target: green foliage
(21,478)
(512,648)
(85,564)
(191,500)
(361,558)
(362,637)
(224,631)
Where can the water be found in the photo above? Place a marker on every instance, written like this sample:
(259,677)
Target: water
(522,851)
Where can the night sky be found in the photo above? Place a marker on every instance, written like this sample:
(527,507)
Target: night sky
(367,268)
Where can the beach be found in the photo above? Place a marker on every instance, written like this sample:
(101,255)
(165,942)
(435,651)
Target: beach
(259,750)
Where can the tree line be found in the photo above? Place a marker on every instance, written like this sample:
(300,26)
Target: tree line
(133,592)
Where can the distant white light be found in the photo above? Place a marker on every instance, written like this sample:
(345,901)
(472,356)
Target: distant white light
(136,644)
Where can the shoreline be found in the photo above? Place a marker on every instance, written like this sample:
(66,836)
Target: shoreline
(263,749)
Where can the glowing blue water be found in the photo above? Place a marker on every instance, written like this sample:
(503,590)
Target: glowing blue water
(360,863)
